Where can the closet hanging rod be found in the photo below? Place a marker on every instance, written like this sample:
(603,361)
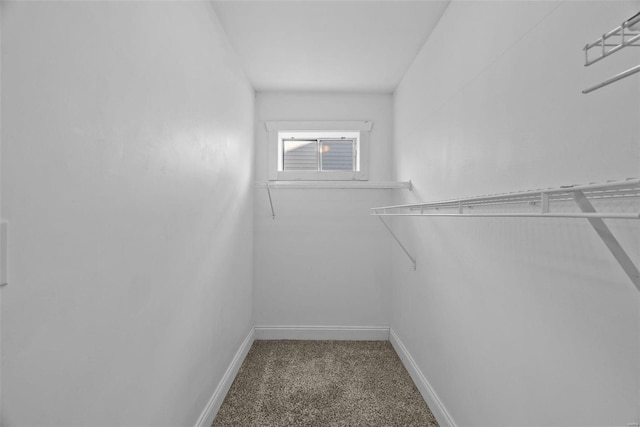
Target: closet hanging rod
(613,79)
(522,215)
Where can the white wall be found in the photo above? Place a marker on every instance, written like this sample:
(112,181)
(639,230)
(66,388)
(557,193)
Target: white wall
(127,182)
(1,243)
(518,322)
(323,260)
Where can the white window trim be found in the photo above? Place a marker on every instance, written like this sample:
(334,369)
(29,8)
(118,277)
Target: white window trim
(274,127)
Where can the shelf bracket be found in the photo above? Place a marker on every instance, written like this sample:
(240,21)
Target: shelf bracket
(413,260)
(608,238)
(273,213)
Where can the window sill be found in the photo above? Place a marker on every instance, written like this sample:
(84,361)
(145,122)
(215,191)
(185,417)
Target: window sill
(337,185)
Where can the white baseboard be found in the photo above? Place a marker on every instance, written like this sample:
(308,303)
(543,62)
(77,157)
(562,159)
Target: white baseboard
(210,411)
(356,333)
(352,333)
(436,406)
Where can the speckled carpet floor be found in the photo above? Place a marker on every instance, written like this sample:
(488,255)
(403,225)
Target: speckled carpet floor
(323,383)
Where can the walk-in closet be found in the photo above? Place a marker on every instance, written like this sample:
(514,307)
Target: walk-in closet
(273,213)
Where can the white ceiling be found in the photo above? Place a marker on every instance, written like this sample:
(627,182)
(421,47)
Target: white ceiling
(330,45)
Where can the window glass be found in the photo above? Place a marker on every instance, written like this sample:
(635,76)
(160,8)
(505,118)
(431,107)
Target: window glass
(337,155)
(300,155)
(319,154)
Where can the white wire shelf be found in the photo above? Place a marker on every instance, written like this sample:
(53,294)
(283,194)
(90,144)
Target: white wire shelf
(329,185)
(625,35)
(542,200)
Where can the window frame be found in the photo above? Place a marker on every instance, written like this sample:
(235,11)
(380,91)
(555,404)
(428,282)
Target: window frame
(319,138)
(274,128)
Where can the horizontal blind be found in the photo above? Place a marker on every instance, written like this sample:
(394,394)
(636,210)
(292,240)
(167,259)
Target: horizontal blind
(300,155)
(337,155)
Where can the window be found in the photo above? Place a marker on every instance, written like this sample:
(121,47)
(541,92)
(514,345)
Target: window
(296,152)
(318,151)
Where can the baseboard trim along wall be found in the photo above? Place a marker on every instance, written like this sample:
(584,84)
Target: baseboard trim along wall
(211,410)
(436,406)
(353,333)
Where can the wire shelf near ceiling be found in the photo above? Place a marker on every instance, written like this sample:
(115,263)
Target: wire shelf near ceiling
(625,35)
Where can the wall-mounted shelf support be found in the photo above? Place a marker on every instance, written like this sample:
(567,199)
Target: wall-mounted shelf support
(581,195)
(608,238)
(273,213)
(413,260)
(625,35)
